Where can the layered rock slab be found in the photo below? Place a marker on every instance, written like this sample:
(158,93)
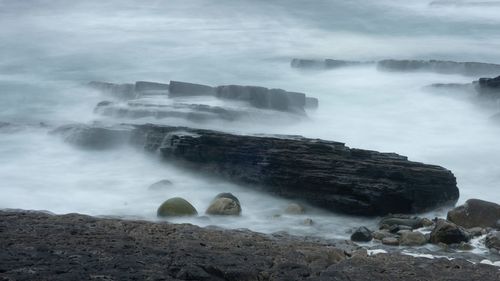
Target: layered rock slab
(326,174)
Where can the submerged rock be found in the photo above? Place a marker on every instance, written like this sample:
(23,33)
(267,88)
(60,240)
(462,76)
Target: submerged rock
(476,213)
(119,91)
(448,233)
(295,209)
(362,234)
(176,207)
(94,137)
(161,185)
(493,240)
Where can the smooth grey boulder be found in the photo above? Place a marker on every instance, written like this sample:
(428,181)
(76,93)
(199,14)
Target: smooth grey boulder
(476,213)
(412,238)
(448,233)
(176,207)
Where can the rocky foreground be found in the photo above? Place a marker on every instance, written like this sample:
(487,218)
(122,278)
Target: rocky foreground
(39,246)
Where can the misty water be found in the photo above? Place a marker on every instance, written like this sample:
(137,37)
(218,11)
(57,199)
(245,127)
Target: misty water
(50,49)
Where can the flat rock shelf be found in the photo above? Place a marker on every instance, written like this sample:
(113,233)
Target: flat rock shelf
(40,246)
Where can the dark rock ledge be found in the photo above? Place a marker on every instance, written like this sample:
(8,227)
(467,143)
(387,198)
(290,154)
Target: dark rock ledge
(326,174)
(437,66)
(39,246)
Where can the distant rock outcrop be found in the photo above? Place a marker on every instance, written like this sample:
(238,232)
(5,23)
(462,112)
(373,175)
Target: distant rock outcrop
(437,66)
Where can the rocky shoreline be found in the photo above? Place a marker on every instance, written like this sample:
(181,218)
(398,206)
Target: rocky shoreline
(41,246)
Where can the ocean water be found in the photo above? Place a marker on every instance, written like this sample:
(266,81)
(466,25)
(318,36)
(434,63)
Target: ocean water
(49,49)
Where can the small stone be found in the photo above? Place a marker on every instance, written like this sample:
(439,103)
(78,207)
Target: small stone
(412,238)
(294,209)
(308,221)
(390,241)
(443,246)
(493,240)
(362,234)
(475,231)
(224,207)
(397,228)
(427,222)
(175,207)
(381,234)
(160,185)
(465,246)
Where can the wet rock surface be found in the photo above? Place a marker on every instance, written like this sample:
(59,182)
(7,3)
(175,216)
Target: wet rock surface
(362,234)
(39,246)
(493,240)
(326,174)
(448,233)
(476,213)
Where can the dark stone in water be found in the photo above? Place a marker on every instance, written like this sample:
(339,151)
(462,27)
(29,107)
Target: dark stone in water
(493,240)
(362,234)
(448,233)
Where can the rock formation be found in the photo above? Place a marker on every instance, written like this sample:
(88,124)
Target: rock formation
(325,174)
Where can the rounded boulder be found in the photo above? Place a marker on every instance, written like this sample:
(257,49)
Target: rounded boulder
(224,204)
(176,207)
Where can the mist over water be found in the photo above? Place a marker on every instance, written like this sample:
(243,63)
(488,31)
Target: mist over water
(49,49)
